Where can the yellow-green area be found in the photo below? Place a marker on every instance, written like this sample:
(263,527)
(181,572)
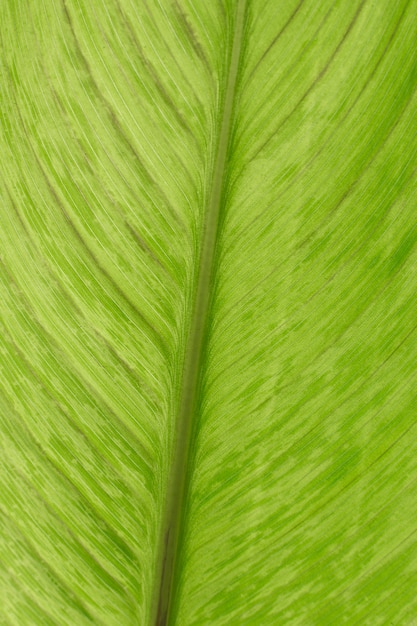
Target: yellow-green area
(208,313)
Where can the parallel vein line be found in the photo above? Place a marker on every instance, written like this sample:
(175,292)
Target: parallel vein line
(74,600)
(315,82)
(314,158)
(127,435)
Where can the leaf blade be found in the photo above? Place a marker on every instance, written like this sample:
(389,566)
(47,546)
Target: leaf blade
(300,485)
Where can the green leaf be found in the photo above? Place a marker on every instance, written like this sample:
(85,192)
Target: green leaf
(208,313)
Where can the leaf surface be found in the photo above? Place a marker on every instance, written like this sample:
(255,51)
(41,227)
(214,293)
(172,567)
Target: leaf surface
(207,318)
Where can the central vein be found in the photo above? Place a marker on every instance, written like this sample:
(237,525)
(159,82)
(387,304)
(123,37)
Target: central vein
(188,398)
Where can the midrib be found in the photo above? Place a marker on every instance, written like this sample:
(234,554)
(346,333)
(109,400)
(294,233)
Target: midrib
(188,396)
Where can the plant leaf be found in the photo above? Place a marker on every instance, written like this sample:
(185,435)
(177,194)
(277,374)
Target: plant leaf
(208,329)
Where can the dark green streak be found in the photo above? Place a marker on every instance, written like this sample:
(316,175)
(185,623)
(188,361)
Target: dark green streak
(188,396)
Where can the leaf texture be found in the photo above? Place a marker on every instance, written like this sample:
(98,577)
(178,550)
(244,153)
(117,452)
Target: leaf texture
(208,313)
